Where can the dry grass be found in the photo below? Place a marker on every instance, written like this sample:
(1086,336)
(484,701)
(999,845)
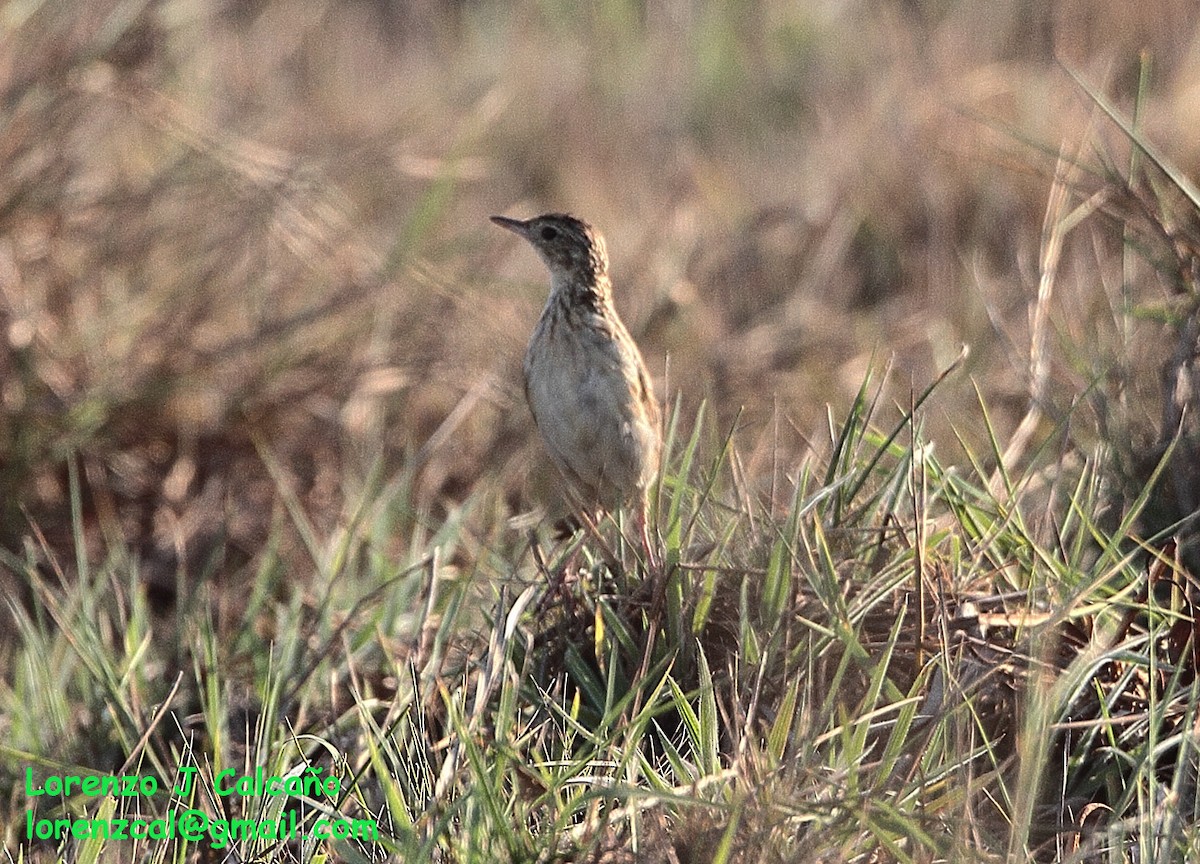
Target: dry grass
(247,279)
(221,217)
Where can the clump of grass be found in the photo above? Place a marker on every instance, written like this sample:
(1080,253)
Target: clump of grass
(885,663)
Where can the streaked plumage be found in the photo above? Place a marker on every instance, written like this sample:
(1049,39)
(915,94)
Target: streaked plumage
(585,379)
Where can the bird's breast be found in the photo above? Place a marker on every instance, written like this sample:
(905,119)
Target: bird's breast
(582,387)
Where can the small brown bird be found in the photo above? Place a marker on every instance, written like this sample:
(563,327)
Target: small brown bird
(585,379)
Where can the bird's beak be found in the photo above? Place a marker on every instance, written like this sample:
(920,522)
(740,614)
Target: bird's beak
(517,226)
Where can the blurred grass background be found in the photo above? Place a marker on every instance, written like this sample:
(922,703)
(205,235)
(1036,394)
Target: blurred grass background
(229,221)
(251,306)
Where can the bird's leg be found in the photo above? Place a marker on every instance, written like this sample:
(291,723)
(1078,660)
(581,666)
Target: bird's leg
(653,565)
(591,526)
(559,577)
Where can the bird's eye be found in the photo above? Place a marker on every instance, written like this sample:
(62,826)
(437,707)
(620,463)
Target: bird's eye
(549,232)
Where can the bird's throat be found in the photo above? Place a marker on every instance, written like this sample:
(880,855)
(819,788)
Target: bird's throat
(589,293)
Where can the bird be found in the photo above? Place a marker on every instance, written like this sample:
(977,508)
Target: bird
(586,382)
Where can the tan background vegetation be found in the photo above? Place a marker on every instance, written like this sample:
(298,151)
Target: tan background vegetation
(233,226)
